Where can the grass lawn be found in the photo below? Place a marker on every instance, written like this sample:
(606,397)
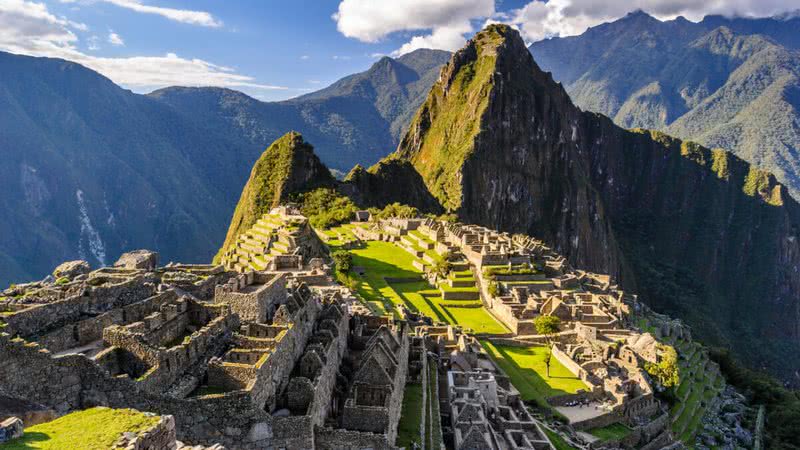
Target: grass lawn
(411,416)
(433,425)
(381,260)
(526,368)
(613,432)
(90,429)
(558,442)
(452,312)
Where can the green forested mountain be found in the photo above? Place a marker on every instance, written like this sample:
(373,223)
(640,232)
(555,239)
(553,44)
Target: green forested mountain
(356,120)
(289,165)
(729,83)
(91,169)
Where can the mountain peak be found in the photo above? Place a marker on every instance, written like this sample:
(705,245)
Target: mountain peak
(287,167)
(492,68)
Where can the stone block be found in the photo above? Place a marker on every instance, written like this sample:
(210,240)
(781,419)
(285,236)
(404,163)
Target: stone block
(72,269)
(138,259)
(11,428)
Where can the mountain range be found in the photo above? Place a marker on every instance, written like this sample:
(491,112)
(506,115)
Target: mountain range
(92,170)
(722,82)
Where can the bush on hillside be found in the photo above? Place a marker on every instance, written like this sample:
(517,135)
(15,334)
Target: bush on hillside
(326,208)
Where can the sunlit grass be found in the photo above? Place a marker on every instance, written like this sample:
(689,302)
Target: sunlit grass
(90,429)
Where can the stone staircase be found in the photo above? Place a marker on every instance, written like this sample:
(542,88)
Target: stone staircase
(254,248)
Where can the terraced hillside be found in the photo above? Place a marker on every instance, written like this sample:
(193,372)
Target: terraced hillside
(700,384)
(389,279)
(273,234)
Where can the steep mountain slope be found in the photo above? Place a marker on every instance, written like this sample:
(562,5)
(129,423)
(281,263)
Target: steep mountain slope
(356,120)
(727,83)
(288,166)
(91,170)
(698,233)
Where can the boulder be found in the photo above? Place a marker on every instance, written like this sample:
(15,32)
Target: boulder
(138,259)
(11,428)
(71,269)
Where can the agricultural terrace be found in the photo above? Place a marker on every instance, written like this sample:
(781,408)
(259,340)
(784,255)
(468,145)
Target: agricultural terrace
(375,262)
(528,372)
(698,386)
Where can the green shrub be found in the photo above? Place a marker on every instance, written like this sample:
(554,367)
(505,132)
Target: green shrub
(326,208)
(342,260)
(493,288)
(395,210)
(666,370)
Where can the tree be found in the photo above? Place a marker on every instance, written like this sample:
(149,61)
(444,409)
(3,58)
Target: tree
(666,370)
(547,326)
(342,260)
(442,265)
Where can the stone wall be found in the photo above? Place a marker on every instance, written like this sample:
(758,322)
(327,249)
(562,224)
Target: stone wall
(159,437)
(89,330)
(71,382)
(337,439)
(325,382)
(252,296)
(42,318)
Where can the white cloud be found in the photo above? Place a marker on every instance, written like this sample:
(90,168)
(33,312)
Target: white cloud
(115,39)
(27,27)
(539,19)
(341,57)
(444,22)
(305,57)
(201,18)
(93,43)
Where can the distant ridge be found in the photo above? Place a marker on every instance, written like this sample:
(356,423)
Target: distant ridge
(732,83)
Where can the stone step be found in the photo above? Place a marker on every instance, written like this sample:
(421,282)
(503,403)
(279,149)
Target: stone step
(461,282)
(258,264)
(252,247)
(280,246)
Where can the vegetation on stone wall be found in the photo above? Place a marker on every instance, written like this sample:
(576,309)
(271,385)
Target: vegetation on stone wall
(782,404)
(665,371)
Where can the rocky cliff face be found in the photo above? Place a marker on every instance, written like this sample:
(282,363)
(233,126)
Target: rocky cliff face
(698,233)
(722,82)
(288,166)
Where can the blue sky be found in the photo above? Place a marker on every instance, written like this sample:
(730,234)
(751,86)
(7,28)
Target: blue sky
(275,50)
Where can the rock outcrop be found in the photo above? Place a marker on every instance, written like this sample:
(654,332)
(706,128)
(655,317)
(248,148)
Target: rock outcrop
(288,166)
(138,259)
(698,233)
(71,269)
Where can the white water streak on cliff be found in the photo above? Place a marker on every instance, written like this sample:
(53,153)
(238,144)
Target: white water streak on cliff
(92,237)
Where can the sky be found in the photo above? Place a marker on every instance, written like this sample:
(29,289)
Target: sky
(274,50)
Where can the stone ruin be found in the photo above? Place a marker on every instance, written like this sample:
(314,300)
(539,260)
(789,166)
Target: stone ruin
(267,351)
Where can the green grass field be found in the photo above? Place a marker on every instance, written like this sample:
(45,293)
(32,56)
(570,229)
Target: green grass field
(381,260)
(526,368)
(433,424)
(410,417)
(90,429)
(558,442)
(613,432)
